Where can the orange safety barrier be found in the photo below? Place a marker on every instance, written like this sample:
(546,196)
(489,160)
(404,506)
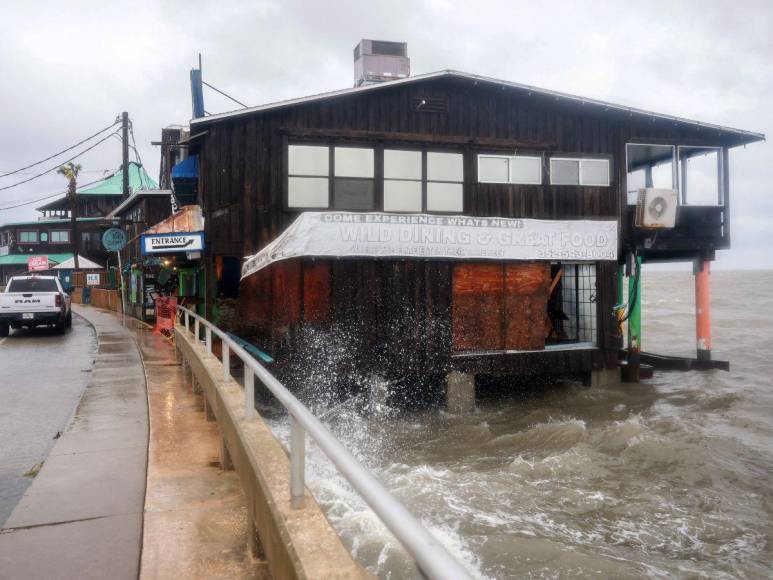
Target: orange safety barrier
(166,309)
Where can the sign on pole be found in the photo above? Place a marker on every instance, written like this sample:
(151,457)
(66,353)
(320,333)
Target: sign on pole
(114,240)
(37,263)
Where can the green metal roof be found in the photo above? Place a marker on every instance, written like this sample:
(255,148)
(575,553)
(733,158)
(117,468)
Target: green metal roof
(21,259)
(113,185)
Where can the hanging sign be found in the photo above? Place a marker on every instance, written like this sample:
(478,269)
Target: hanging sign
(37,263)
(168,243)
(114,239)
(438,236)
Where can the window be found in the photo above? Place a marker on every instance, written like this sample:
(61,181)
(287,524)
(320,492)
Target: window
(402,181)
(509,169)
(445,176)
(572,306)
(61,237)
(33,285)
(649,166)
(578,171)
(354,187)
(43,236)
(700,176)
(343,178)
(308,170)
(28,237)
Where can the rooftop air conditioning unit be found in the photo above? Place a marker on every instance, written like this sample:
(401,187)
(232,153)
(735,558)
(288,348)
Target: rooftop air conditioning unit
(656,208)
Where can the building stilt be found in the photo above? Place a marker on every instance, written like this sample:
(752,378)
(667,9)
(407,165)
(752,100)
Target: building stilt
(702,270)
(460,393)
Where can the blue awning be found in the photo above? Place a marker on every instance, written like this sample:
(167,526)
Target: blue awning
(188,168)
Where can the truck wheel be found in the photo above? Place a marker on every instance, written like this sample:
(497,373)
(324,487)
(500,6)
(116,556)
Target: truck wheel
(68,320)
(60,327)
(3,329)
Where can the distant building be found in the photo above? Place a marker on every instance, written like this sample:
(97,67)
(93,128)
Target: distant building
(50,234)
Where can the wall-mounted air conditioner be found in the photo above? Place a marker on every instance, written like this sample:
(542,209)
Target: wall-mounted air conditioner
(656,208)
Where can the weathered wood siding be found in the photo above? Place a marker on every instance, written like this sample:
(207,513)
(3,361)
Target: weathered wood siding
(243,173)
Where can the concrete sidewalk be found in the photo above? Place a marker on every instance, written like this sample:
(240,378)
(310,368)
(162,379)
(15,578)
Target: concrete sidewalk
(87,514)
(83,515)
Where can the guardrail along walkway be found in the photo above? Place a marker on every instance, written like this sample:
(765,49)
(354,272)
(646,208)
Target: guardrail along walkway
(292,531)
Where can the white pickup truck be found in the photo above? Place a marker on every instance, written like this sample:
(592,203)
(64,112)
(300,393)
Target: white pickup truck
(33,301)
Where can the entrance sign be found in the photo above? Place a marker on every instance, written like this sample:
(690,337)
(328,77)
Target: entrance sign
(438,236)
(114,240)
(92,279)
(37,263)
(169,243)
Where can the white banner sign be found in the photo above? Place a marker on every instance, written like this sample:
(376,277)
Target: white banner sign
(380,235)
(167,243)
(92,279)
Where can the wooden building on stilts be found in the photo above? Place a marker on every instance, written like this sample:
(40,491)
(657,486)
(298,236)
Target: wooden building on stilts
(448,225)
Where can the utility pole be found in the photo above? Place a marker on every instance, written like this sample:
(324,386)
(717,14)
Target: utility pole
(72,186)
(125,152)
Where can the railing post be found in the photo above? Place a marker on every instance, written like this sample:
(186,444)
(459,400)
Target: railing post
(208,335)
(196,329)
(187,322)
(226,361)
(297,463)
(249,393)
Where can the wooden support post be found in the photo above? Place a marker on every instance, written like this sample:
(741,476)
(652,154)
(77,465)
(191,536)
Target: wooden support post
(702,270)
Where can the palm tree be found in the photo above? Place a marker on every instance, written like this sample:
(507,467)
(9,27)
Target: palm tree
(70,171)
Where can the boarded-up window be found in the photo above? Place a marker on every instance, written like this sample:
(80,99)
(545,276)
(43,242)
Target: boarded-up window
(525,305)
(477,306)
(500,307)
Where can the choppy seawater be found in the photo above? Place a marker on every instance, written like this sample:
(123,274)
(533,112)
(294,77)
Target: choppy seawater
(669,478)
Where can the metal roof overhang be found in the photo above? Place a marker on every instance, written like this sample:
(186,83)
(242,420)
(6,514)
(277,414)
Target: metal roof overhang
(742,136)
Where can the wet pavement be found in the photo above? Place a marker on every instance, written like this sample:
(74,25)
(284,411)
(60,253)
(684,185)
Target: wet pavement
(195,512)
(42,377)
(82,515)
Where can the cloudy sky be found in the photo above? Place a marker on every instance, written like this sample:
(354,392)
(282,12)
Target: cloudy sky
(69,68)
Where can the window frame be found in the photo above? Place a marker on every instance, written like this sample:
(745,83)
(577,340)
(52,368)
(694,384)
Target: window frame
(333,177)
(674,164)
(580,157)
(286,176)
(37,236)
(421,179)
(51,237)
(378,148)
(681,177)
(509,168)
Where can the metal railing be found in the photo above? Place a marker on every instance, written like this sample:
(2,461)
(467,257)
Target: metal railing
(433,560)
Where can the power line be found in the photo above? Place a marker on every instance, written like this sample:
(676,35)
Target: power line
(224,94)
(60,152)
(143,181)
(59,164)
(56,194)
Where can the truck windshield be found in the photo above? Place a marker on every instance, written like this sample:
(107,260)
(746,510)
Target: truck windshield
(32,285)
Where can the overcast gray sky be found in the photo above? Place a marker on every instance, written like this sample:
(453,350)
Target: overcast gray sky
(68,69)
